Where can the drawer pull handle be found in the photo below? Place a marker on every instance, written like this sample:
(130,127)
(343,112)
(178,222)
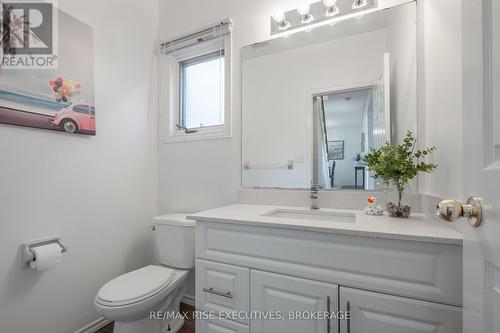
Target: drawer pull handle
(328,309)
(348,309)
(218,293)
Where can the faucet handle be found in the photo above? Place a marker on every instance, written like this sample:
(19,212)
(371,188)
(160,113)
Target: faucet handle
(314,196)
(314,191)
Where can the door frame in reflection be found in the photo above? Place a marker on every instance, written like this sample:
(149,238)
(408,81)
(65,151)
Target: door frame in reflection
(319,93)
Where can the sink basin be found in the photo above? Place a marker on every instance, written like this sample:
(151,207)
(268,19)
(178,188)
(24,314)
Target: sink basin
(317,215)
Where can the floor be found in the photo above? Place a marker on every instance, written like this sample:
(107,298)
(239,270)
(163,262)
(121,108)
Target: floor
(187,328)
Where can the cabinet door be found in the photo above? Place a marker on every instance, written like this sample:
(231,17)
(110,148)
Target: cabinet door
(272,293)
(379,313)
(220,326)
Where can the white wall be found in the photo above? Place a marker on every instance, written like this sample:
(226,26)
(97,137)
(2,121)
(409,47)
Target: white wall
(402,45)
(278,110)
(97,192)
(440,75)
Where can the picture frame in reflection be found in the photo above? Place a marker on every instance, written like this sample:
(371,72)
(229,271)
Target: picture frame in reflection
(335,150)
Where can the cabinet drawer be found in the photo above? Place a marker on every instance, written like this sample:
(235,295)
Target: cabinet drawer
(379,313)
(285,294)
(220,326)
(221,287)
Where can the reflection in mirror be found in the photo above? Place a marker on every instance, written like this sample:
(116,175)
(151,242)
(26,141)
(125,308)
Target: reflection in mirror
(346,125)
(316,101)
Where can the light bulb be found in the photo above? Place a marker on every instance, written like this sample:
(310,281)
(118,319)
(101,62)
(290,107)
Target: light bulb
(278,15)
(359,4)
(304,8)
(304,11)
(331,7)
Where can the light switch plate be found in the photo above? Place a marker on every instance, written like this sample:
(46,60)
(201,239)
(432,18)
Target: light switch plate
(299,158)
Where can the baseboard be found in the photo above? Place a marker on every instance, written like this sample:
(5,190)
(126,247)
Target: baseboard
(94,326)
(188,299)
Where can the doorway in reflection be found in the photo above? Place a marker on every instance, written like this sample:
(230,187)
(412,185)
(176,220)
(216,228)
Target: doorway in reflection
(347,124)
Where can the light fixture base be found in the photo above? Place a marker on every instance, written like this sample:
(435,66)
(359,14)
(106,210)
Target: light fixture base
(359,4)
(332,11)
(283,25)
(308,18)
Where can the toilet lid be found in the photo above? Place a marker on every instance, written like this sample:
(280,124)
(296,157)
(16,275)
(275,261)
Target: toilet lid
(136,284)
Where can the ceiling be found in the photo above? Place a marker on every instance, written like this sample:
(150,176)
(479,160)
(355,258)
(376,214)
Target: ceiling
(346,109)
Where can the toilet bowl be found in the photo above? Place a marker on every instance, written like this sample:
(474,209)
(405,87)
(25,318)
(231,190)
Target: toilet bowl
(137,301)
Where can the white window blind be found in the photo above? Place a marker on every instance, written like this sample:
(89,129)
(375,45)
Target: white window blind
(216,31)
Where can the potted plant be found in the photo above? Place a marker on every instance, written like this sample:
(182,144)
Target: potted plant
(358,159)
(397,166)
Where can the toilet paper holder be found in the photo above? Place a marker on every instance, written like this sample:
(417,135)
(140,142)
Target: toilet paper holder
(27,254)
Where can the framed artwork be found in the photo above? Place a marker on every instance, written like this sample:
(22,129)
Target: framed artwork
(335,150)
(57,97)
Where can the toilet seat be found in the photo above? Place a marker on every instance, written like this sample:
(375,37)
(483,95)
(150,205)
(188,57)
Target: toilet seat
(135,286)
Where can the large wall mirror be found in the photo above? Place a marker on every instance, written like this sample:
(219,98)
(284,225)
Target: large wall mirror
(314,102)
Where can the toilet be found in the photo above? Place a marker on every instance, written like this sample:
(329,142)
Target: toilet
(129,299)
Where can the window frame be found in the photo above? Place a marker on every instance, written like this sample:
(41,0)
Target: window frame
(170,92)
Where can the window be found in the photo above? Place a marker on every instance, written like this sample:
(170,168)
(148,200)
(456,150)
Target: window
(196,85)
(81,109)
(202,91)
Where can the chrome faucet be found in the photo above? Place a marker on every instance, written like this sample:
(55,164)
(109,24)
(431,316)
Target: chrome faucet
(314,197)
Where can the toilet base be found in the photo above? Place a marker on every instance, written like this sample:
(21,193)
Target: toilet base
(148,325)
(142,325)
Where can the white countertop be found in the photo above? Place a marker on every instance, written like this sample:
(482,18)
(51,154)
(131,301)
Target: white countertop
(418,227)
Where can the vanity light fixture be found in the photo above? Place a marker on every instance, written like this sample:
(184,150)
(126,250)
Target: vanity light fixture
(359,4)
(304,11)
(331,7)
(280,18)
(311,14)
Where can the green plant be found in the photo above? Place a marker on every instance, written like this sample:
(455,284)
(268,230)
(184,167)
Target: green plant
(358,157)
(398,165)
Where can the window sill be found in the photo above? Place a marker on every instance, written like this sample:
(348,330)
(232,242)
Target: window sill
(200,136)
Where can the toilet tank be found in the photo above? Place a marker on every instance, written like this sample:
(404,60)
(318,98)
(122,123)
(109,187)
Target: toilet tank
(174,240)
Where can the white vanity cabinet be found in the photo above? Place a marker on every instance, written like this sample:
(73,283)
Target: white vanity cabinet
(391,285)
